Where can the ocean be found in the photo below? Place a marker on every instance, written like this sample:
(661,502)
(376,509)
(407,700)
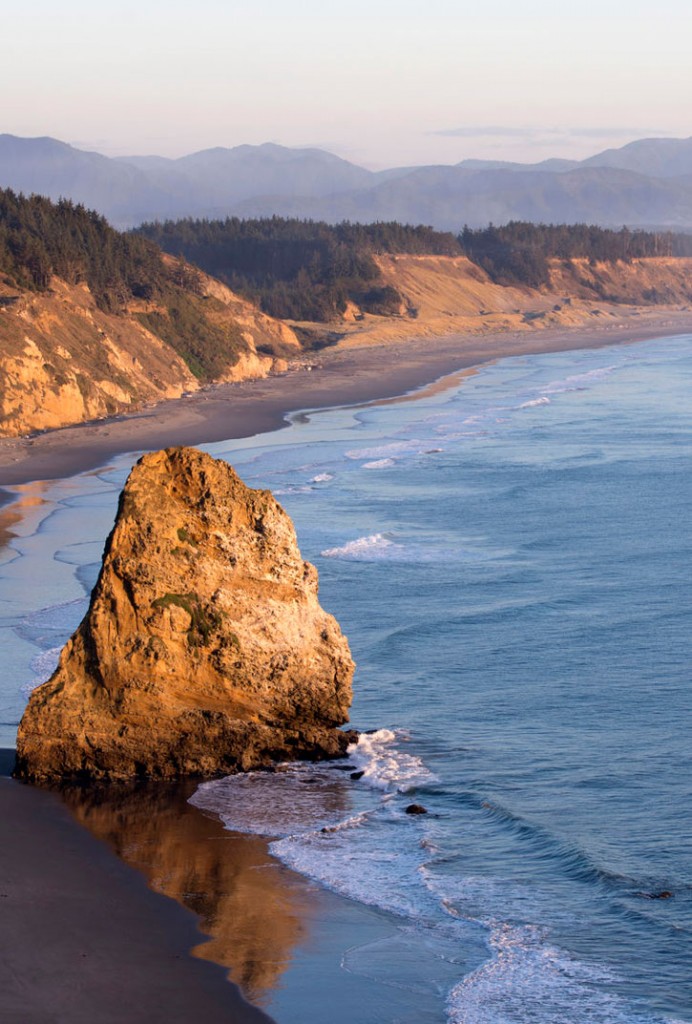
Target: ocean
(511,559)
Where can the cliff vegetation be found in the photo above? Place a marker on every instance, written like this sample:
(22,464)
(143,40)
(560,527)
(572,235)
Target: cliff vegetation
(94,322)
(313,271)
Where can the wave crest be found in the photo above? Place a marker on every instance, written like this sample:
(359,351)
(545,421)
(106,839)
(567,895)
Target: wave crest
(374,546)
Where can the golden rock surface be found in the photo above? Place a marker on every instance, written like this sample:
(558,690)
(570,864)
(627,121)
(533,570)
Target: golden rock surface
(204,648)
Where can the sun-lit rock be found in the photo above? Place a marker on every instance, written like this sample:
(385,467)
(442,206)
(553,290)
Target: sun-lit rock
(204,648)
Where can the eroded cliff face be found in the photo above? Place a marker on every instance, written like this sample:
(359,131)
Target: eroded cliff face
(204,648)
(444,295)
(63,360)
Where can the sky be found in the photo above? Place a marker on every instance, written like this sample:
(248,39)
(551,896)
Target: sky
(383,83)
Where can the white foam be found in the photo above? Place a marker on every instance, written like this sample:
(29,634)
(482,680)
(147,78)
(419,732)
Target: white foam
(322,478)
(54,620)
(305,489)
(43,666)
(365,548)
(386,451)
(296,798)
(353,837)
(527,979)
(369,856)
(376,862)
(378,547)
(578,381)
(379,464)
(385,766)
(544,400)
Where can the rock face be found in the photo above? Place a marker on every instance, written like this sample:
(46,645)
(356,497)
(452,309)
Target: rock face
(204,648)
(63,360)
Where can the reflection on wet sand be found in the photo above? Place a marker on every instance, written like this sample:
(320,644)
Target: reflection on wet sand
(252,908)
(29,496)
(437,387)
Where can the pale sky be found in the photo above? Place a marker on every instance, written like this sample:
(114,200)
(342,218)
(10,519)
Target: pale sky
(381,82)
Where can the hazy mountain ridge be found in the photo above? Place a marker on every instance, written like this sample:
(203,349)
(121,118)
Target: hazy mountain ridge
(645,183)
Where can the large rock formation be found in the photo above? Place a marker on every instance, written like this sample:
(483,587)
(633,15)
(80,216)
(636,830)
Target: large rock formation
(204,648)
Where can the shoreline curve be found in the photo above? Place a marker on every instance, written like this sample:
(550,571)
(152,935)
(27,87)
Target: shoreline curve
(347,376)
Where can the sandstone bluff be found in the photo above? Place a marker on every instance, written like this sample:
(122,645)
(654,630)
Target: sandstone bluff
(204,648)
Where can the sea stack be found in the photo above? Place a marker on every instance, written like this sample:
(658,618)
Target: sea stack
(204,648)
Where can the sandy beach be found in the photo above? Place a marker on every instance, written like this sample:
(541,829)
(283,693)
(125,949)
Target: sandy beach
(84,938)
(345,375)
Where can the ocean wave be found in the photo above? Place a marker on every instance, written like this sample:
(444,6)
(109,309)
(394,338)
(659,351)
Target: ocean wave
(55,622)
(379,464)
(322,478)
(353,836)
(544,400)
(291,800)
(578,381)
(385,766)
(378,547)
(43,666)
(376,863)
(368,856)
(297,489)
(299,797)
(343,832)
(524,980)
(528,979)
(369,548)
(386,451)
(573,861)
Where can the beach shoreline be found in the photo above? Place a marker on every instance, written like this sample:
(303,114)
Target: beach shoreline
(345,376)
(43,830)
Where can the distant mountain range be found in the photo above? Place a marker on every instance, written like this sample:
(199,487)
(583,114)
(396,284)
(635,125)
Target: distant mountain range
(647,183)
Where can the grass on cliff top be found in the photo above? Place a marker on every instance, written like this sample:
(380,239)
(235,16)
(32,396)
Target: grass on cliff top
(208,348)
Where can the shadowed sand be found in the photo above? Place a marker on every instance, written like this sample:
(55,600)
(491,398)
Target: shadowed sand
(83,938)
(343,376)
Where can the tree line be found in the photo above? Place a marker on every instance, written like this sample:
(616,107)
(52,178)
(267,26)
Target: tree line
(519,253)
(39,239)
(293,269)
(310,270)
(299,269)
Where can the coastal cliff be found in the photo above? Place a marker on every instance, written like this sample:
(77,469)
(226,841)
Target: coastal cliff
(453,295)
(94,323)
(204,648)
(64,360)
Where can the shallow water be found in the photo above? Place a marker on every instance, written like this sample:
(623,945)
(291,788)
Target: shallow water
(511,561)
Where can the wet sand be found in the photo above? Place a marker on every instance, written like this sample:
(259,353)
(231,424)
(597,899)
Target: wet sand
(344,376)
(280,937)
(85,940)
